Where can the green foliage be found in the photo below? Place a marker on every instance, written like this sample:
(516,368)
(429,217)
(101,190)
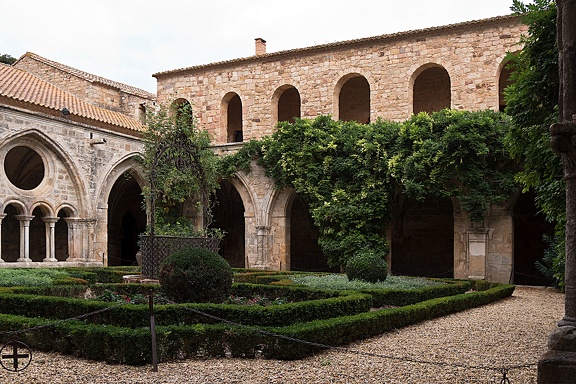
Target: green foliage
(457,154)
(180,165)
(368,266)
(196,275)
(14,277)
(349,173)
(553,262)
(7,59)
(532,102)
(341,170)
(341,282)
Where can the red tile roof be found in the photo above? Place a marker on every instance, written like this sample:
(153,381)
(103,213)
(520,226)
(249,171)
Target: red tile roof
(19,85)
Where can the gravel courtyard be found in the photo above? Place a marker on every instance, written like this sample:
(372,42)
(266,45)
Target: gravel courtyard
(509,333)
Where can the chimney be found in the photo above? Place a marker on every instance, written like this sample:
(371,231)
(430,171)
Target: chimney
(260,46)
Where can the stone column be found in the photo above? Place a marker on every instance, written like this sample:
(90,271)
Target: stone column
(262,246)
(2,216)
(24,238)
(558,365)
(74,238)
(50,223)
(477,246)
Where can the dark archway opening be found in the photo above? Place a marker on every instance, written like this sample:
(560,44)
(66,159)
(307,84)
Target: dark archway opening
(423,238)
(10,235)
(61,237)
(530,226)
(126,221)
(234,120)
(305,253)
(37,247)
(228,215)
(432,91)
(289,105)
(354,100)
(503,82)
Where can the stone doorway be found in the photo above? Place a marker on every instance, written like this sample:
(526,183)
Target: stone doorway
(423,238)
(126,221)
(228,215)
(529,228)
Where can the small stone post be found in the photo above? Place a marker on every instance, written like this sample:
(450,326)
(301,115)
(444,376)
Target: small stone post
(558,365)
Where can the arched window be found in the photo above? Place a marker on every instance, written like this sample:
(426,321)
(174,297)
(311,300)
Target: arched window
(431,92)
(287,99)
(503,82)
(179,106)
(232,115)
(354,99)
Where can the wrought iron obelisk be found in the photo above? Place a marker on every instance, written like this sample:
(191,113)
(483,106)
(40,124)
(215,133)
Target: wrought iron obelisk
(558,365)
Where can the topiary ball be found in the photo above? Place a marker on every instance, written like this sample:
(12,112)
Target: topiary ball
(195,275)
(368,266)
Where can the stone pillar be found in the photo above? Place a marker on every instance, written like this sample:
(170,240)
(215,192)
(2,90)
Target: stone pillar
(74,238)
(50,223)
(2,216)
(558,365)
(477,246)
(24,238)
(89,240)
(262,247)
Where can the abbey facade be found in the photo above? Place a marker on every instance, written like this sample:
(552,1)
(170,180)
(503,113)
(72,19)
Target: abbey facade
(85,204)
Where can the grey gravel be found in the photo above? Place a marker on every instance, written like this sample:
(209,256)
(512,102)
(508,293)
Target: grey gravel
(509,333)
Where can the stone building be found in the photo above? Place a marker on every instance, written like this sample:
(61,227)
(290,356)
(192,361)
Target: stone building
(461,66)
(69,182)
(70,185)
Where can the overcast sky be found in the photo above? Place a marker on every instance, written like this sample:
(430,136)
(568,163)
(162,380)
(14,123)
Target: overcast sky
(129,40)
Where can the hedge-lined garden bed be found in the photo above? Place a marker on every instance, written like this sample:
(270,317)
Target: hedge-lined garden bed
(120,334)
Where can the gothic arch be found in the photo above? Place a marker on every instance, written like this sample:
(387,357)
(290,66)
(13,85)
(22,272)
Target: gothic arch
(286,104)
(430,88)
(352,98)
(120,215)
(52,153)
(232,117)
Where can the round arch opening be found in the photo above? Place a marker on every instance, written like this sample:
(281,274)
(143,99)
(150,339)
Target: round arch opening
(24,167)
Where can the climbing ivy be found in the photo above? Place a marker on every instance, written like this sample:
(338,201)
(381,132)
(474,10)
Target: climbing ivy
(348,173)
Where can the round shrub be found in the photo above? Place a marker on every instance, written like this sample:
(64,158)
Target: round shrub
(367,266)
(195,275)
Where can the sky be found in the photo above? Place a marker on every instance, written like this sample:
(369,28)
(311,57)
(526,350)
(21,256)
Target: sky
(130,40)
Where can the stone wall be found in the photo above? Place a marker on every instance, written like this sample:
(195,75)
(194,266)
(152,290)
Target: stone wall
(80,164)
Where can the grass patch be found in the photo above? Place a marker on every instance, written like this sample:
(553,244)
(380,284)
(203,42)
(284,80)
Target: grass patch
(341,282)
(30,277)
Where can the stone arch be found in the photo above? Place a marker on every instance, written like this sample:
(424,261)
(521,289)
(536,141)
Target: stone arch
(63,234)
(121,214)
(177,104)
(352,93)
(11,231)
(228,215)
(286,104)
(232,117)
(431,88)
(53,156)
(40,239)
(503,75)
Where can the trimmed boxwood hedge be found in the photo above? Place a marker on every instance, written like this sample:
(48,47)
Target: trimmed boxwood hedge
(131,346)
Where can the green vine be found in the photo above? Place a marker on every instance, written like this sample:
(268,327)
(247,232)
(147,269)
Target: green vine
(348,173)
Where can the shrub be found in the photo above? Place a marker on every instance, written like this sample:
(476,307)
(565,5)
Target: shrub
(368,266)
(195,275)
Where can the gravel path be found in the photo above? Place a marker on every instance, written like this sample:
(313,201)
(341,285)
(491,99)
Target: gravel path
(508,333)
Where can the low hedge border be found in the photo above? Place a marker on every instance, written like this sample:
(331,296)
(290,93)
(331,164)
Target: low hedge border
(132,346)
